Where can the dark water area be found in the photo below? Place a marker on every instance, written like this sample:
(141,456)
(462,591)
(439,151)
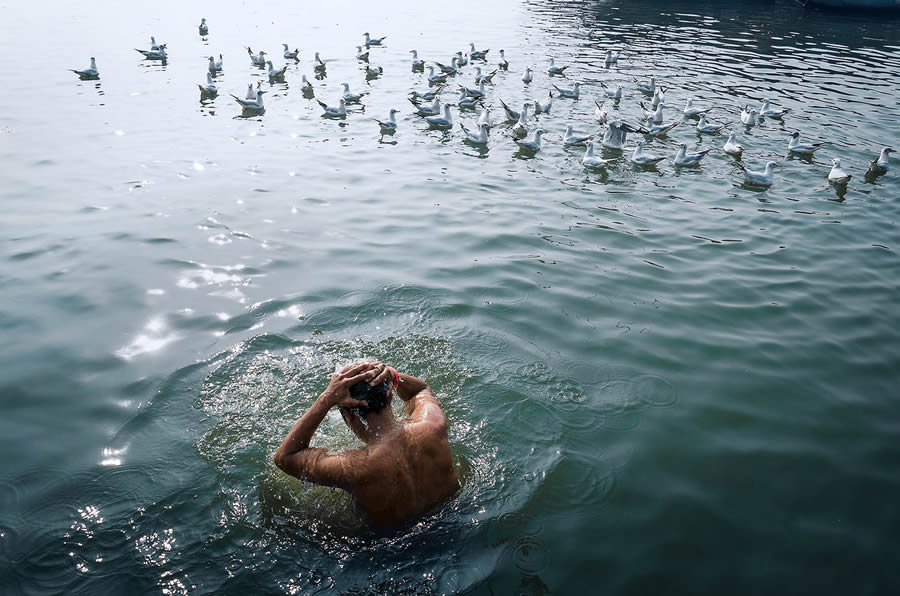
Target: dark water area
(656,380)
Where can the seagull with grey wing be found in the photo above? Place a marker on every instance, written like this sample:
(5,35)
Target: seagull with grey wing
(572,93)
(683,158)
(881,164)
(479,138)
(616,132)
(389,126)
(252,104)
(760,178)
(838,175)
(590,160)
(642,158)
(445,121)
(331,112)
(90,72)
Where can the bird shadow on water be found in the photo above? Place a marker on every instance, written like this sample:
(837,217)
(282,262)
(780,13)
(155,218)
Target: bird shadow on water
(480,152)
(595,175)
(250,115)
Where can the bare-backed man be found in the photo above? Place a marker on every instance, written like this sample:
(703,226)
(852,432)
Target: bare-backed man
(405,469)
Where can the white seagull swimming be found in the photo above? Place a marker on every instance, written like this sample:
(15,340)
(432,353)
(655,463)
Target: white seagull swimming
(692,111)
(881,164)
(360,55)
(641,158)
(611,58)
(351,97)
(428,95)
(157,54)
(257,59)
(708,127)
(435,78)
(571,138)
(485,118)
(533,144)
(476,139)
(251,92)
(373,72)
(204,28)
(553,69)
(760,178)
(600,114)
(215,65)
(465,102)
(749,116)
(338,112)
(306,86)
(569,93)
(373,41)
(389,127)
(433,110)
(320,64)
(290,54)
(769,112)
(732,147)
(520,129)
(511,115)
(479,92)
(445,121)
(659,96)
(461,60)
(488,78)
(528,76)
(592,161)
(477,54)
(449,70)
(648,88)
(252,104)
(275,74)
(661,129)
(503,63)
(795,146)
(544,108)
(683,158)
(837,175)
(615,94)
(616,132)
(209,88)
(90,72)
(655,115)
(416,62)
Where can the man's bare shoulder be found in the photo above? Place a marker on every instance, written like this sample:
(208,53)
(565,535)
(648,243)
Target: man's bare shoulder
(427,412)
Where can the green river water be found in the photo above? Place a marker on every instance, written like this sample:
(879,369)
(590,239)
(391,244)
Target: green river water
(656,380)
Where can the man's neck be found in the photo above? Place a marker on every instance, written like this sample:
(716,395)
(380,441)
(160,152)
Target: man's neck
(381,423)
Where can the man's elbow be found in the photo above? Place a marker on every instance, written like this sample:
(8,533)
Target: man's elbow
(279,458)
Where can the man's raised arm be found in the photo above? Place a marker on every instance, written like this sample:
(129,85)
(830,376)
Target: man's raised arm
(295,456)
(424,407)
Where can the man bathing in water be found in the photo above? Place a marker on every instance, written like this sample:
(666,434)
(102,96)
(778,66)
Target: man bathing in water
(405,469)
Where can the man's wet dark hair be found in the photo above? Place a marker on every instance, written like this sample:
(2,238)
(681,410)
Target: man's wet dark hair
(376,397)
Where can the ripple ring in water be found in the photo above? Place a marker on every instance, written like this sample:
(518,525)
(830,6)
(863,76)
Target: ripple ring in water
(655,390)
(575,482)
(511,525)
(528,555)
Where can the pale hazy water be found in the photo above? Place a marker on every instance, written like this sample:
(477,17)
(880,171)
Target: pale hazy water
(656,381)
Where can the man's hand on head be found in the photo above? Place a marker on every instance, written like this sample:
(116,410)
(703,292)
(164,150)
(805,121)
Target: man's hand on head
(384,374)
(338,391)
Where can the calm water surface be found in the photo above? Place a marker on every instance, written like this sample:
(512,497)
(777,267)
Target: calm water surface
(657,380)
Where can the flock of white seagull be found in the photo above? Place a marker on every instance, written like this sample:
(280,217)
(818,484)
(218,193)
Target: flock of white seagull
(428,105)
